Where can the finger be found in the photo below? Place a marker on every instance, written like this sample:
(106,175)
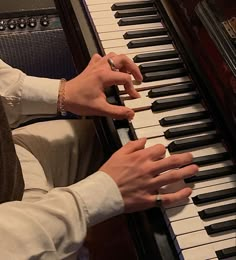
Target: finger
(172,198)
(171,162)
(155,152)
(120,78)
(174,176)
(125,63)
(129,88)
(134,146)
(116,112)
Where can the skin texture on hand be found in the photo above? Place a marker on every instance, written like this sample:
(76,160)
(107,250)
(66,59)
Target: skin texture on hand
(84,94)
(141,172)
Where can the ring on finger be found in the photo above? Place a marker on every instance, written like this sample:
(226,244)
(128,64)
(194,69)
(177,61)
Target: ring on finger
(158,200)
(112,65)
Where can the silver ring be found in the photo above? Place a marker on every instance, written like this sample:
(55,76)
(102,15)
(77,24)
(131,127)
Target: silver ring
(112,65)
(158,200)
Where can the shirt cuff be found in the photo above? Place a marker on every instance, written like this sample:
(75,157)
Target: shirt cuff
(101,196)
(39,96)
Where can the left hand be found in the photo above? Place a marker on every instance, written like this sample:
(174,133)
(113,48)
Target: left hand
(85,95)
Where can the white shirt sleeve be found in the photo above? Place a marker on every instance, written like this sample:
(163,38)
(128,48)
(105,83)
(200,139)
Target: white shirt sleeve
(55,226)
(25,97)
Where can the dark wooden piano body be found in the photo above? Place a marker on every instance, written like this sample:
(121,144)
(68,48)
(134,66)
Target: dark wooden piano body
(144,235)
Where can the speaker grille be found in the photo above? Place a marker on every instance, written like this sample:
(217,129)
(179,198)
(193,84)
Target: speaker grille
(38,53)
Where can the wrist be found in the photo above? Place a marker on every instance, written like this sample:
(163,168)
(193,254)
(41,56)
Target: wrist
(61,98)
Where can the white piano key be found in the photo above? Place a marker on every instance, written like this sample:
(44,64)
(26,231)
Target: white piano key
(158,61)
(123,42)
(109,14)
(115,27)
(100,15)
(206,150)
(212,182)
(155,84)
(99,7)
(166,142)
(215,204)
(182,213)
(217,187)
(110,21)
(216,165)
(119,34)
(131,56)
(95,2)
(199,238)
(155,131)
(125,50)
(105,21)
(148,118)
(208,251)
(145,102)
(179,185)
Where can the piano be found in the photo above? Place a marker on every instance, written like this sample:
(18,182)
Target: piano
(186,51)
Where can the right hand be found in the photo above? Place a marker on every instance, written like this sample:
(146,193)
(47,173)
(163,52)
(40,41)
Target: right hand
(137,173)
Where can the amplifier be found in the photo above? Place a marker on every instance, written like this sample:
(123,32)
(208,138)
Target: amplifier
(32,39)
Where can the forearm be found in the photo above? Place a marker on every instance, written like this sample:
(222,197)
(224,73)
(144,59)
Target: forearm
(25,97)
(57,224)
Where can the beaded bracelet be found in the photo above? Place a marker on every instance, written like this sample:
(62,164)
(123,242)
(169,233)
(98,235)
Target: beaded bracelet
(61,98)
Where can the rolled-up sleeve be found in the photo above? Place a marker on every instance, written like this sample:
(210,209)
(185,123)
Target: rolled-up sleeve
(25,97)
(55,226)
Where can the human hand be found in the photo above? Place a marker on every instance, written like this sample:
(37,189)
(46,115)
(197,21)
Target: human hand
(137,172)
(84,95)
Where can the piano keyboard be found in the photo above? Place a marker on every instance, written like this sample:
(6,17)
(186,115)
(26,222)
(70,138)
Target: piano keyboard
(170,111)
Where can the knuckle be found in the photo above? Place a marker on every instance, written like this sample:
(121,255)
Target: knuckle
(96,55)
(122,56)
(127,77)
(111,54)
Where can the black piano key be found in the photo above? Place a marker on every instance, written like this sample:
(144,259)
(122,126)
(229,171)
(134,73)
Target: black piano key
(131,5)
(214,196)
(135,12)
(211,174)
(156,56)
(189,129)
(161,65)
(145,33)
(171,90)
(212,158)
(221,227)
(188,143)
(139,20)
(226,253)
(149,42)
(165,74)
(174,102)
(178,119)
(217,211)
